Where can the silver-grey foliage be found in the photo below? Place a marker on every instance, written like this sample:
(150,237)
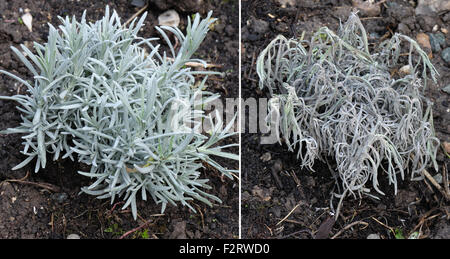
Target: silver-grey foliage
(98,96)
(339,100)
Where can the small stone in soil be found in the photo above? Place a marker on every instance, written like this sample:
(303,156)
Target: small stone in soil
(285,3)
(73,236)
(437,40)
(446,89)
(266,157)
(446,17)
(446,146)
(138,3)
(438,178)
(446,55)
(59,197)
(245,196)
(373,236)
(259,26)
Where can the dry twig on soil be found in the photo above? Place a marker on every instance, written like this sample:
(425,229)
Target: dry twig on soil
(349,226)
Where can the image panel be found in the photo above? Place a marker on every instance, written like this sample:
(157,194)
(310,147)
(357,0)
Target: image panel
(109,128)
(345,119)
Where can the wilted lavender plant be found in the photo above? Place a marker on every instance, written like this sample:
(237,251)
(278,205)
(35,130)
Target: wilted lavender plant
(100,97)
(338,100)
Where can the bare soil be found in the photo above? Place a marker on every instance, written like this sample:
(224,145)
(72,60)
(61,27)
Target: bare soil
(299,207)
(48,204)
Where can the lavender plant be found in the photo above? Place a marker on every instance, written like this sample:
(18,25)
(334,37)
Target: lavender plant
(99,97)
(337,99)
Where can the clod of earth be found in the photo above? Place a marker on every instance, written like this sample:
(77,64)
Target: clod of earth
(367,8)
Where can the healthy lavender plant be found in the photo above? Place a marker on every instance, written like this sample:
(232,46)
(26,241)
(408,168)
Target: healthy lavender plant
(337,99)
(132,115)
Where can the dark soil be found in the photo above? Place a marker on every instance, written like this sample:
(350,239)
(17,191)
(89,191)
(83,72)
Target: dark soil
(418,206)
(48,204)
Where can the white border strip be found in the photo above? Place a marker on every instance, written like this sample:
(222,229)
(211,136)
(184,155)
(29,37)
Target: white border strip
(239,122)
